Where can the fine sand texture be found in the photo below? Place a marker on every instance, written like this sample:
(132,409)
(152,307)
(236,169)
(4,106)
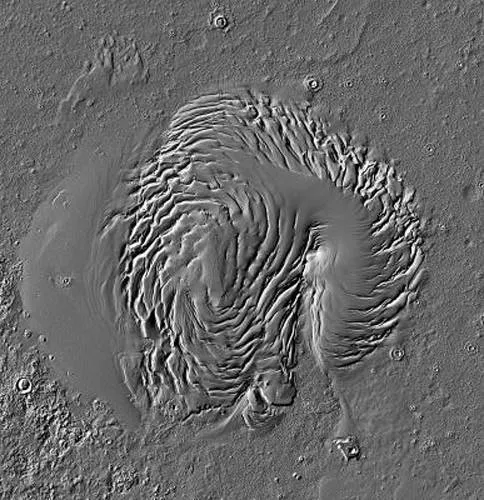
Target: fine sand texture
(242,250)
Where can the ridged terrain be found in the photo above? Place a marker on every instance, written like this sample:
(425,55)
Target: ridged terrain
(251,225)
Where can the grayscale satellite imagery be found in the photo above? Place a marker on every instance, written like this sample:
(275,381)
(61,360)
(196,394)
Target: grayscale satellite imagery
(241,252)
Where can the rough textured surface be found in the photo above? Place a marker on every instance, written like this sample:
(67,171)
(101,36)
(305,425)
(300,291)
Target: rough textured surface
(80,79)
(231,231)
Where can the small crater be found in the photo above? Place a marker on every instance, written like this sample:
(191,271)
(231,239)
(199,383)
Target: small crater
(397,353)
(62,281)
(23,385)
(429,149)
(471,348)
(312,83)
(220,21)
(382,116)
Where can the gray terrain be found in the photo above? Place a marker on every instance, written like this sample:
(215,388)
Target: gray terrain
(240,254)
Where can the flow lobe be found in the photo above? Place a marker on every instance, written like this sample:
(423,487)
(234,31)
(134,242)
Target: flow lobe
(250,226)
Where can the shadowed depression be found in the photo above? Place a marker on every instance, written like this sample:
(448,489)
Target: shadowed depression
(190,277)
